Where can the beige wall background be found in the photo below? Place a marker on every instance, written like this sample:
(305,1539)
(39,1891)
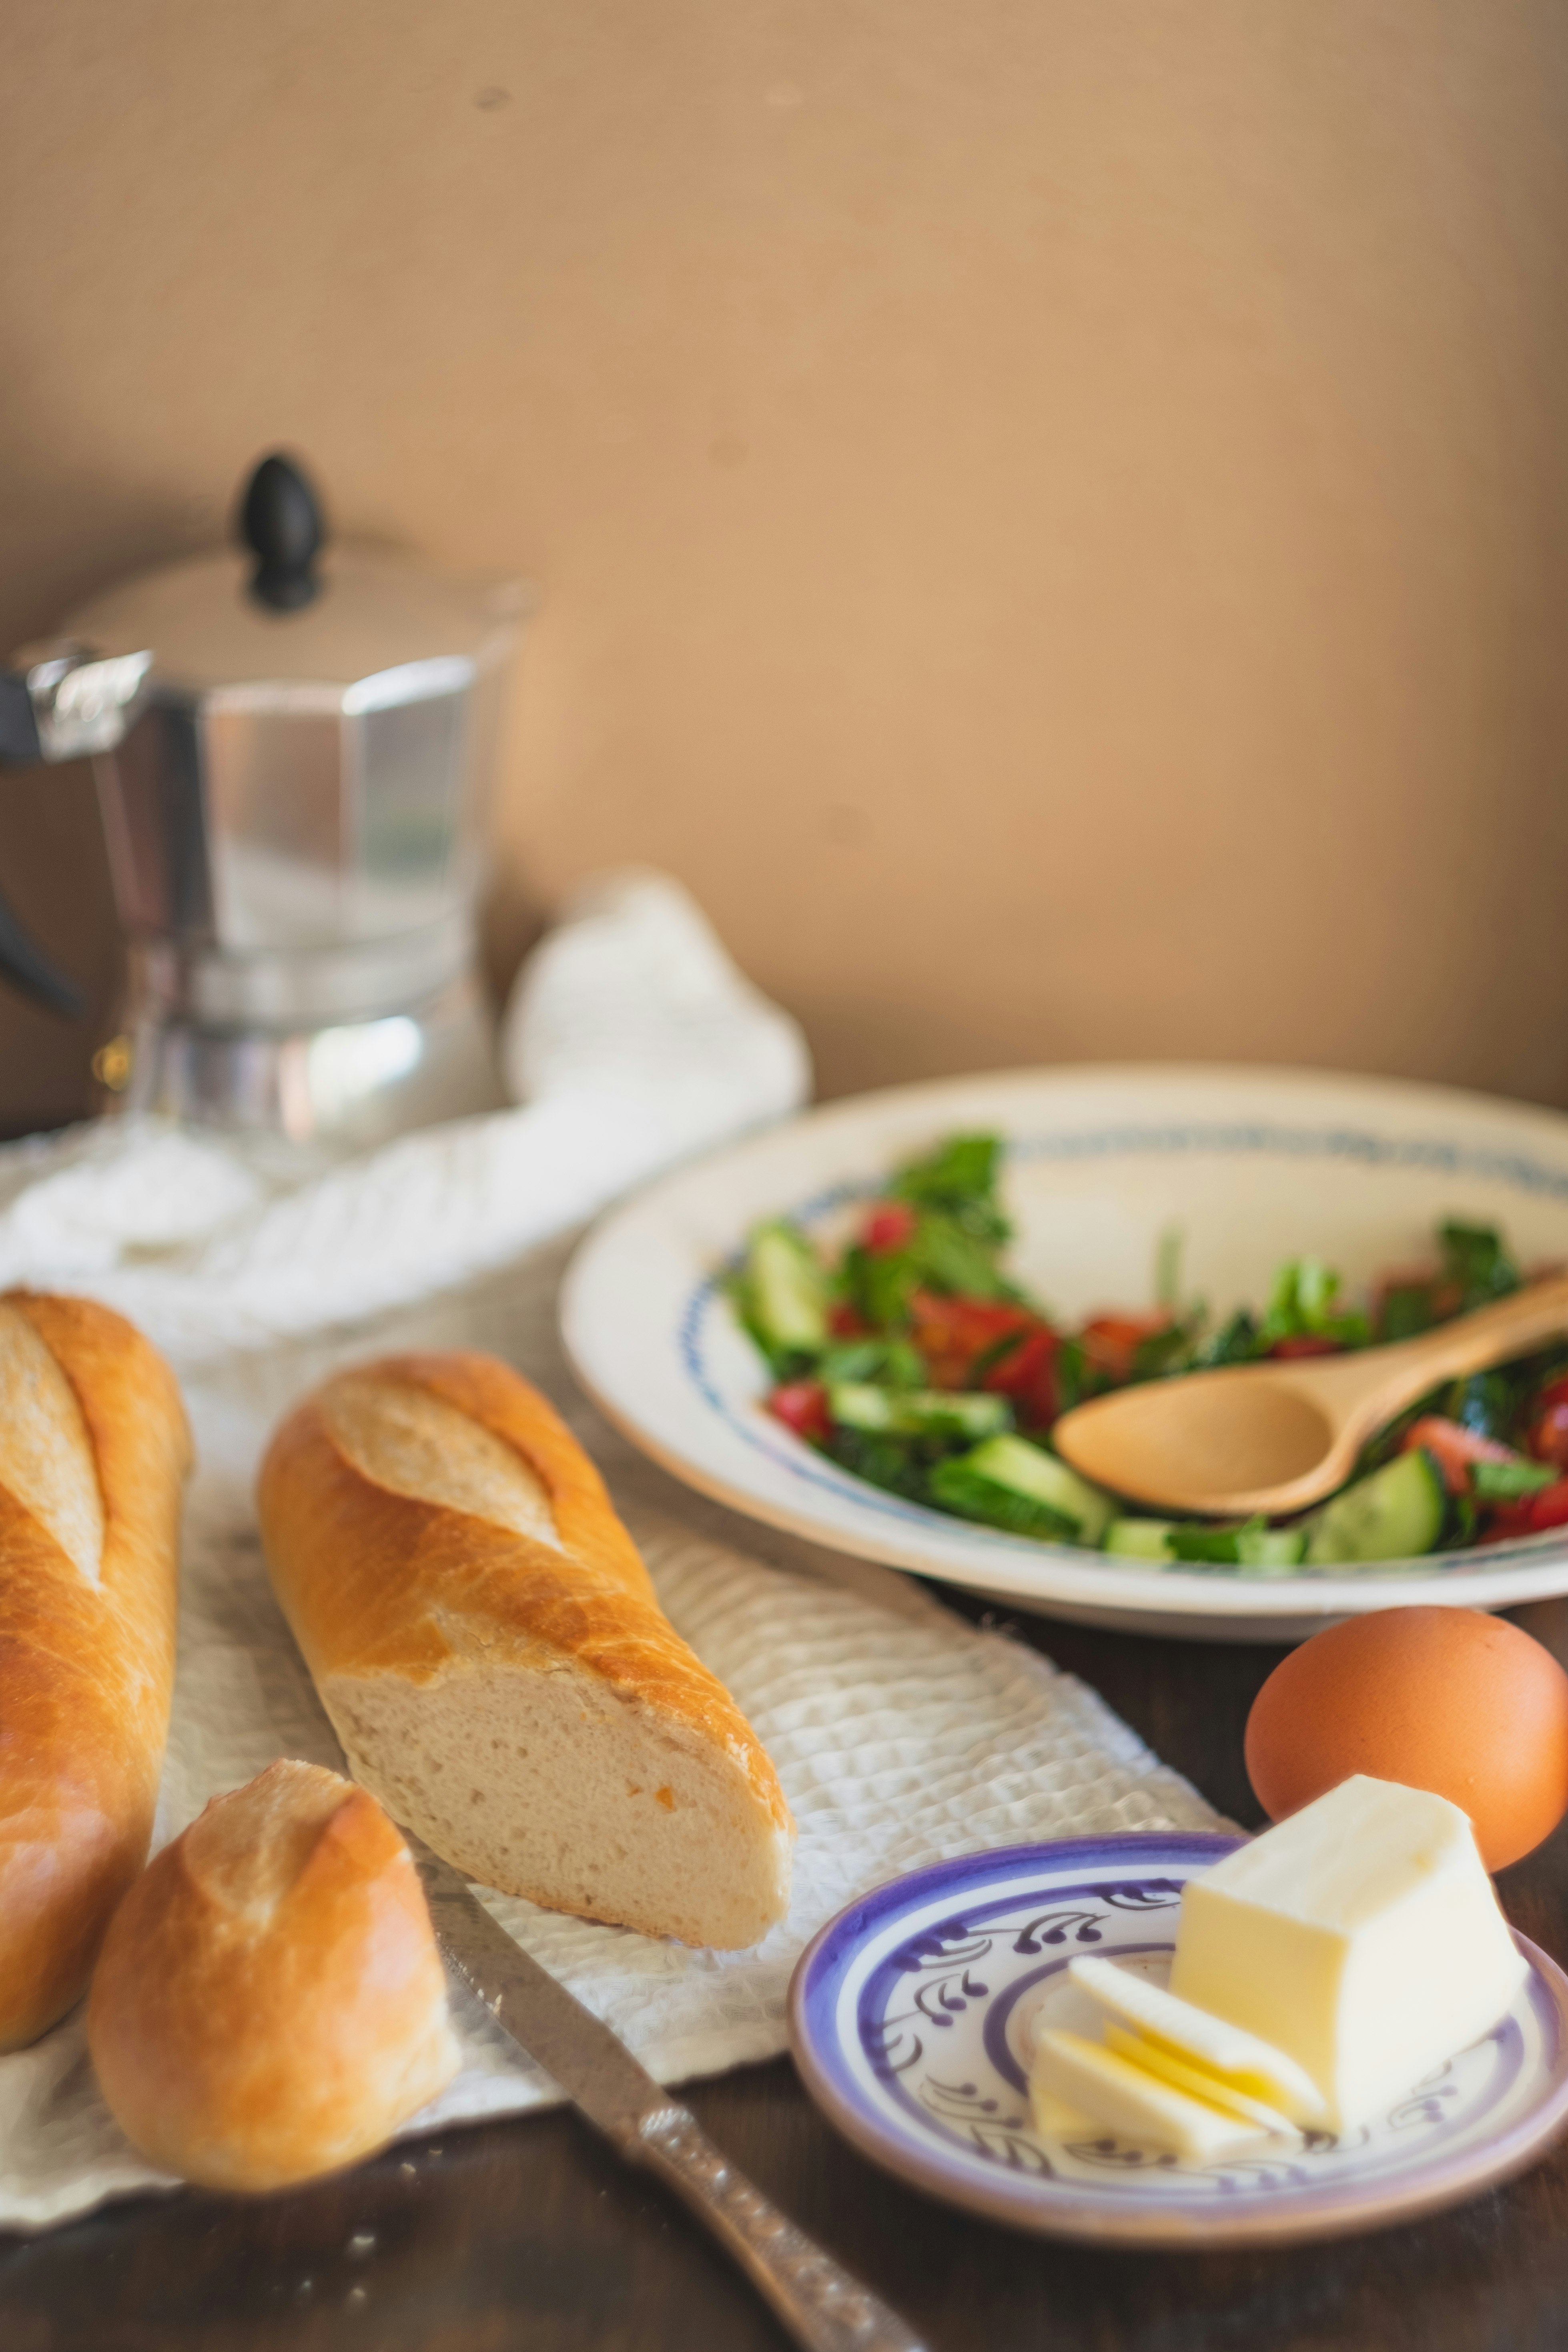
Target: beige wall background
(1052,514)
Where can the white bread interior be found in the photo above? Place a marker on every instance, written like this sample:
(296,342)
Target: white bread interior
(563,1744)
(543,1782)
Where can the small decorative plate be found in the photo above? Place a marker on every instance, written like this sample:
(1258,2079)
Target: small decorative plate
(1250,1167)
(909,2017)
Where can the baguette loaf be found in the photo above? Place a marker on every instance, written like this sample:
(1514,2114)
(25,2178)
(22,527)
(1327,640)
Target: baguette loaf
(489,1646)
(93,1452)
(270,2003)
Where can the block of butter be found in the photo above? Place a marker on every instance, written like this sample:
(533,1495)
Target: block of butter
(1361,1937)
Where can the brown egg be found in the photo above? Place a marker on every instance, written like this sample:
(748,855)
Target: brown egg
(1447,1699)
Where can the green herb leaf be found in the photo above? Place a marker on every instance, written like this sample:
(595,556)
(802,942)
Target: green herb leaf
(1464,1518)
(1504,1481)
(1168,1269)
(1302,1304)
(1478,1259)
(880,1285)
(962,1169)
(1164,1352)
(1489,1403)
(1072,1375)
(1408,1308)
(889,1363)
(892,1463)
(950,1259)
(1235,1342)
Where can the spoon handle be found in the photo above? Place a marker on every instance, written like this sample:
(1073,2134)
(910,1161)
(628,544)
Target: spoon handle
(1385,1380)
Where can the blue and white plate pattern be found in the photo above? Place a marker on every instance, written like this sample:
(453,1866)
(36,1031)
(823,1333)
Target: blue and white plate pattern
(910,2015)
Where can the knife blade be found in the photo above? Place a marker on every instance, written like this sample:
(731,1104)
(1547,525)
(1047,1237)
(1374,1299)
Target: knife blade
(824,2307)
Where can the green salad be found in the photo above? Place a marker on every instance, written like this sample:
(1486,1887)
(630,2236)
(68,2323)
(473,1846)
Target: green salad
(914,1360)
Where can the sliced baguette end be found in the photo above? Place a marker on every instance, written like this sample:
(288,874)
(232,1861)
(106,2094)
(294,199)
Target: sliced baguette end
(552,1784)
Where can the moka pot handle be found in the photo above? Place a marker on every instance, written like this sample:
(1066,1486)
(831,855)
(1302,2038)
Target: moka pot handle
(60,701)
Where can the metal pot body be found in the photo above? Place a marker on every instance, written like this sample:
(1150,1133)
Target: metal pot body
(295,826)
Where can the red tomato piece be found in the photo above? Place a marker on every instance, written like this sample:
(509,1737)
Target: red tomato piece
(1531,1515)
(1028,1374)
(1549,1508)
(845,1322)
(1019,1368)
(1548,1439)
(888,1226)
(1454,1449)
(951,1333)
(1110,1342)
(802,1405)
(1307,1343)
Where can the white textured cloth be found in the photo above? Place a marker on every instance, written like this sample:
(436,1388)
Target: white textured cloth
(899,1733)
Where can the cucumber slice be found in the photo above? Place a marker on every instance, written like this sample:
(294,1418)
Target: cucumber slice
(1253,1545)
(857,1405)
(1394,1514)
(786,1291)
(961,1490)
(918,1413)
(937,1415)
(1268,1547)
(1031,1476)
(1140,1539)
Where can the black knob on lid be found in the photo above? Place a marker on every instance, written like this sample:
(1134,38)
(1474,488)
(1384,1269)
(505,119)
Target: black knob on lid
(280,522)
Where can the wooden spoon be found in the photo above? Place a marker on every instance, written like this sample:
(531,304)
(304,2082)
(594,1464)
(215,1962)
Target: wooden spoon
(1273,1437)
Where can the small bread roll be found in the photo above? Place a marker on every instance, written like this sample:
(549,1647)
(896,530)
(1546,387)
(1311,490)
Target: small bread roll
(492,1654)
(270,2002)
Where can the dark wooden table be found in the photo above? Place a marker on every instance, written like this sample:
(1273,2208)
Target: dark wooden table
(528,2233)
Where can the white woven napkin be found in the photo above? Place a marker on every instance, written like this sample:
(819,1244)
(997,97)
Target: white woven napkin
(899,1733)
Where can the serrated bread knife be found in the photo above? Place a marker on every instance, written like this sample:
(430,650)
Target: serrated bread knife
(822,2306)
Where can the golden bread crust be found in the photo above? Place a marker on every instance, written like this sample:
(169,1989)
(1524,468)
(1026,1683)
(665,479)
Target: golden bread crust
(86,1669)
(270,2003)
(374,1581)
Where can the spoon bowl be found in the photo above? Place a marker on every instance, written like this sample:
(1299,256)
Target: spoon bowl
(1275,1437)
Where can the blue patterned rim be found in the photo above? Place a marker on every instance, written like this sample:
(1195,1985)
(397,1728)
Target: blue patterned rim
(902,2013)
(706,1303)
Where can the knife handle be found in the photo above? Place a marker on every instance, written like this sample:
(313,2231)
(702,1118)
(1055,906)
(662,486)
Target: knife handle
(821,2304)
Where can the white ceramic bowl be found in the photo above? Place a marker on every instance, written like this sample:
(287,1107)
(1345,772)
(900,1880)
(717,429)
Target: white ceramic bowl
(1254,1166)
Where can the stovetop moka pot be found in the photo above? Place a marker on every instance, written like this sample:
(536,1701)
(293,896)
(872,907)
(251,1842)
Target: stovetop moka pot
(294,749)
